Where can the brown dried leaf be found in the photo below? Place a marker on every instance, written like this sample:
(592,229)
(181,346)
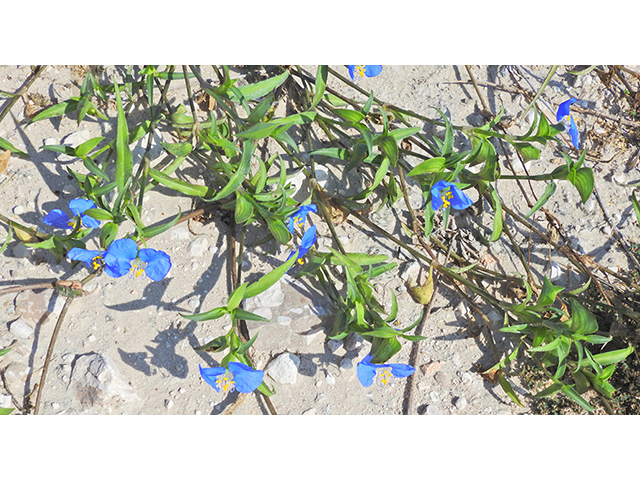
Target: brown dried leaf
(23,235)
(4,160)
(491,376)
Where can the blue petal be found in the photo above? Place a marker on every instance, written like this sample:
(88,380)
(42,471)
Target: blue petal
(366,371)
(125,249)
(372,70)
(302,213)
(308,239)
(57,218)
(79,205)
(460,201)
(573,132)
(400,370)
(245,378)
(210,375)
(563,109)
(352,69)
(436,200)
(89,222)
(158,263)
(83,255)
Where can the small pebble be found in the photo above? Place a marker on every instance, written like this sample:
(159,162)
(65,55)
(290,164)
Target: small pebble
(311,411)
(168,404)
(432,410)
(346,364)
(330,379)
(282,319)
(460,403)
(18,210)
(333,345)
(434,396)
(21,329)
(91,338)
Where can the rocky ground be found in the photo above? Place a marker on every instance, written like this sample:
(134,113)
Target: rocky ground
(124,348)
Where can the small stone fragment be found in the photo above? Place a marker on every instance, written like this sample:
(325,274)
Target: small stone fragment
(333,345)
(21,329)
(198,246)
(311,411)
(346,364)
(460,403)
(5,401)
(168,404)
(284,368)
(330,379)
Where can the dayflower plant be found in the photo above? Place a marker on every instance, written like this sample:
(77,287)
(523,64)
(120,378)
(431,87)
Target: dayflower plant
(116,260)
(59,219)
(564,115)
(447,193)
(155,263)
(383,373)
(298,219)
(308,239)
(364,70)
(236,376)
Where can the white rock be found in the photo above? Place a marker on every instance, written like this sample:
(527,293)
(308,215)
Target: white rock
(432,410)
(331,380)
(554,273)
(283,320)
(194,302)
(284,368)
(270,298)
(168,404)
(96,381)
(410,269)
(433,395)
(314,335)
(5,401)
(460,403)
(311,411)
(21,329)
(264,312)
(198,246)
(18,210)
(322,175)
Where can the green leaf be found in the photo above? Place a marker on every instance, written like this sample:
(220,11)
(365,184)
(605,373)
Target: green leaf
(351,116)
(380,174)
(108,234)
(636,205)
(497,217)
(238,177)
(6,411)
(367,106)
(124,162)
(236,297)
(149,232)
(582,320)
(550,190)
(547,392)
(179,185)
(547,347)
(507,360)
(433,165)
(548,294)
(254,91)
(62,108)
(246,345)
(583,180)
(389,148)
(269,279)
(216,345)
(383,349)
(402,133)
(263,130)
(99,214)
(570,392)
(252,317)
(340,153)
(615,356)
(178,149)
(278,229)
(259,111)
(65,149)
(5,145)
(527,151)
(4,351)
(210,315)
(508,389)
(244,209)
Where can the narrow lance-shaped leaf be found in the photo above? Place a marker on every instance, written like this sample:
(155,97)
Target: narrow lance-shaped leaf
(321,83)
(243,170)
(124,162)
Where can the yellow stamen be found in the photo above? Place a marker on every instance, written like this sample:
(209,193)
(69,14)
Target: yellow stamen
(137,268)
(384,376)
(446,195)
(225,383)
(360,70)
(97,262)
(298,221)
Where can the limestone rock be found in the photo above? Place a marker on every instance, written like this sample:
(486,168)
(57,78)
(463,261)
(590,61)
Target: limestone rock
(95,381)
(284,368)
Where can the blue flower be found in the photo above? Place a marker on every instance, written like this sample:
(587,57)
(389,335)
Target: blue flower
(446,193)
(362,70)
(237,376)
(564,116)
(116,260)
(383,372)
(308,239)
(298,218)
(59,219)
(155,263)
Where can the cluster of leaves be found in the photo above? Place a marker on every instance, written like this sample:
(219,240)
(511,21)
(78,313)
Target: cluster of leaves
(559,339)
